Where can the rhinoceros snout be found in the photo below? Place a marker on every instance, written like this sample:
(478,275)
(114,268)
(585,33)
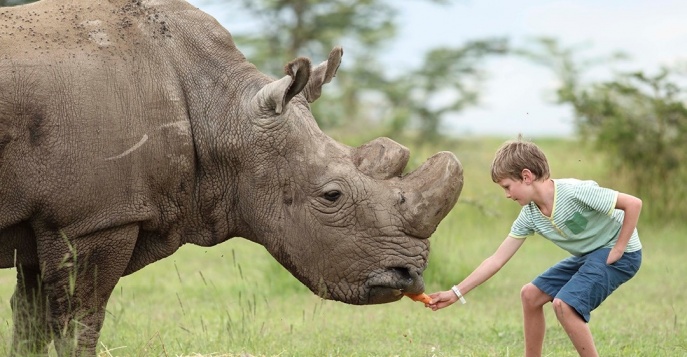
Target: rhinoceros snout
(390,285)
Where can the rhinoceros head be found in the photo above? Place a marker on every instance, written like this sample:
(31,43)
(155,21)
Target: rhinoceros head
(347,222)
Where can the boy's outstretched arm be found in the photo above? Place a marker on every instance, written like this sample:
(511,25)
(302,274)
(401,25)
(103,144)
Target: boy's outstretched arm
(482,273)
(632,207)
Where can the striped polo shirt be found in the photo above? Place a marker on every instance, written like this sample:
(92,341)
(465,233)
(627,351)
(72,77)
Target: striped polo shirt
(583,218)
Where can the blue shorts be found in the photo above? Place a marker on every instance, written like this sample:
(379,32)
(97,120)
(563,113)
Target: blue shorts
(584,282)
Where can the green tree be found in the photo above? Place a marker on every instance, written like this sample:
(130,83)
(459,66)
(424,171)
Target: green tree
(291,28)
(448,81)
(311,28)
(638,119)
(365,91)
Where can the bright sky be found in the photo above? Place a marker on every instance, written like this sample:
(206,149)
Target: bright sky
(653,33)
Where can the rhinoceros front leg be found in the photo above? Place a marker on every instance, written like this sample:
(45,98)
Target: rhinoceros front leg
(30,314)
(79,274)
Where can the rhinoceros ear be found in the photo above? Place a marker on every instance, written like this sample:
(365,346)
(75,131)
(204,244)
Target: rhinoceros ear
(278,93)
(322,74)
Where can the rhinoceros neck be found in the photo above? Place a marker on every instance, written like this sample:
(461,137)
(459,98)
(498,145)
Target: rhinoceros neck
(213,76)
(233,170)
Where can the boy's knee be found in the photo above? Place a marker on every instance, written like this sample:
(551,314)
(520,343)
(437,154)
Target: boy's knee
(560,307)
(558,304)
(531,296)
(566,313)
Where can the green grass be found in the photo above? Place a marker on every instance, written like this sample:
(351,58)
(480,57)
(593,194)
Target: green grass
(234,298)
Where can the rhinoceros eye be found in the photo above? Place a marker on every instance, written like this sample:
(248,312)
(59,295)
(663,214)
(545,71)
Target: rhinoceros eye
(332,195)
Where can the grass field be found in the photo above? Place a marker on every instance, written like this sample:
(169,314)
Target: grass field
(235,300)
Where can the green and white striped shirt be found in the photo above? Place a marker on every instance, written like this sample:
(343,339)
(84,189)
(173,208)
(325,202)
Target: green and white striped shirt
(583,218)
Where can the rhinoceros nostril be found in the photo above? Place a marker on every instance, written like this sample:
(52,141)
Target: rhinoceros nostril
(402,275)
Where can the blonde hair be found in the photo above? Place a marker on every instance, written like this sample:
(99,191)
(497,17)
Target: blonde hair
(516,155)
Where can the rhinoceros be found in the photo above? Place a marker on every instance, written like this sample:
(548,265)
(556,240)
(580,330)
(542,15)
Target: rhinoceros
(131,127)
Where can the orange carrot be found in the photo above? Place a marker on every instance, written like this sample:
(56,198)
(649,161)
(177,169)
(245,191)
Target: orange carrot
(420,297)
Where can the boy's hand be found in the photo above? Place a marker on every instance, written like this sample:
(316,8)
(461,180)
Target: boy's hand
(613,256)
(441,300)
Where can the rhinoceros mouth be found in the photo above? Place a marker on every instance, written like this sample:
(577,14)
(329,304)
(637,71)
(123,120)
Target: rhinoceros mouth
(383,295)
(391,284)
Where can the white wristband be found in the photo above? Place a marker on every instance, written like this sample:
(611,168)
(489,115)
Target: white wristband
(458,294)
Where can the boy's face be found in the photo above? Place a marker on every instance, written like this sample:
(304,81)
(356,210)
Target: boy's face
(516,190)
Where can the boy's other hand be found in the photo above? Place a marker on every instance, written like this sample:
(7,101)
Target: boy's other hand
(613,256)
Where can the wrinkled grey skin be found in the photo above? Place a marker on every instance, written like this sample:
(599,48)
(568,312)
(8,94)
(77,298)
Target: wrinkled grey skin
(129,128)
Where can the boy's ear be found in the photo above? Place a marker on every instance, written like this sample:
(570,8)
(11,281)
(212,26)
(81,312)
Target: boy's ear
(527,176)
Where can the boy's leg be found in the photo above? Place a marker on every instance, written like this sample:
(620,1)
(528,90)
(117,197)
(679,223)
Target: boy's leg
(587,289)
(536,294)
(533,301)
(576,328)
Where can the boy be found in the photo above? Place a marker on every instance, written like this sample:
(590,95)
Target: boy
(596,225)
